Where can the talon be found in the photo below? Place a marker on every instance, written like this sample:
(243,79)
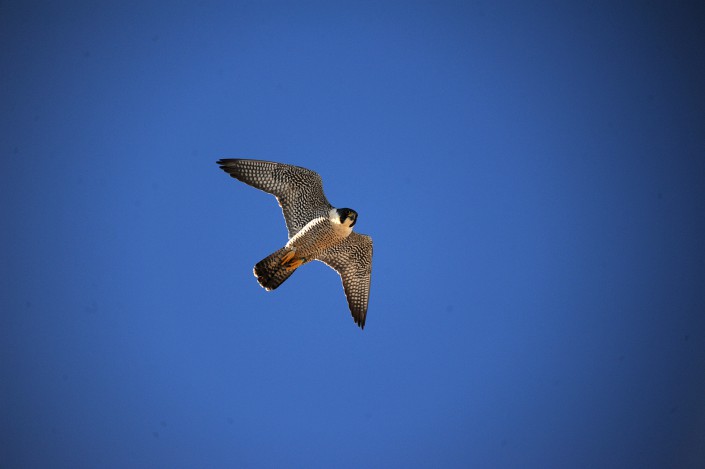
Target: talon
(290,261)
(287,257)
(294,264)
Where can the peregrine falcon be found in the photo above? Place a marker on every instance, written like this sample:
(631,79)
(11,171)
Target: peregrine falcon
(317,230)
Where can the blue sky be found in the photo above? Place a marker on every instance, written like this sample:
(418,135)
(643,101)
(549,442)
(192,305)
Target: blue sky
(532,174)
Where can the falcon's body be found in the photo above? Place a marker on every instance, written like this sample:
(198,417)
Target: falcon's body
(317,230)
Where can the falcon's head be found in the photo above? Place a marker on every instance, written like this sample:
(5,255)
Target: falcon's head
(347,217)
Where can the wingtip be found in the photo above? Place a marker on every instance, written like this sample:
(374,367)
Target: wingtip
(360,323)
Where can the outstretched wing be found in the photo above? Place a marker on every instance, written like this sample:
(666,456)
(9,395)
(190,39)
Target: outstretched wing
(352,259)
(299,191)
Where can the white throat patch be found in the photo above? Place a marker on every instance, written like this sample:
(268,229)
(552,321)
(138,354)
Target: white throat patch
(343,229)
(334,217)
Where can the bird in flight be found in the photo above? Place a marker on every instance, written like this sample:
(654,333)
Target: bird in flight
(317,230)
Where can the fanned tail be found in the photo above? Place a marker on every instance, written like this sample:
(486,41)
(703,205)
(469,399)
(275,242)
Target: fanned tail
(272,271)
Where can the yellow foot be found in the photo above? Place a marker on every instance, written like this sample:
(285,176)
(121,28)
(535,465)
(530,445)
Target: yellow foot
(287,257)
(290,261)
(294,264)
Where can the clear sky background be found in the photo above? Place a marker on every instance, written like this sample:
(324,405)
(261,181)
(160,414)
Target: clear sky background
(532,174)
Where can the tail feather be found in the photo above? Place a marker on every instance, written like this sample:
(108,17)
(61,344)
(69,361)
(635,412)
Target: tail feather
(270,272)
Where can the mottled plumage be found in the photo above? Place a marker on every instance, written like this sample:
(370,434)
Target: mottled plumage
(317,230)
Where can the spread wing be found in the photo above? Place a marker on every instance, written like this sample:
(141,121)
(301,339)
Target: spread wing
(299,191)
(352,259)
